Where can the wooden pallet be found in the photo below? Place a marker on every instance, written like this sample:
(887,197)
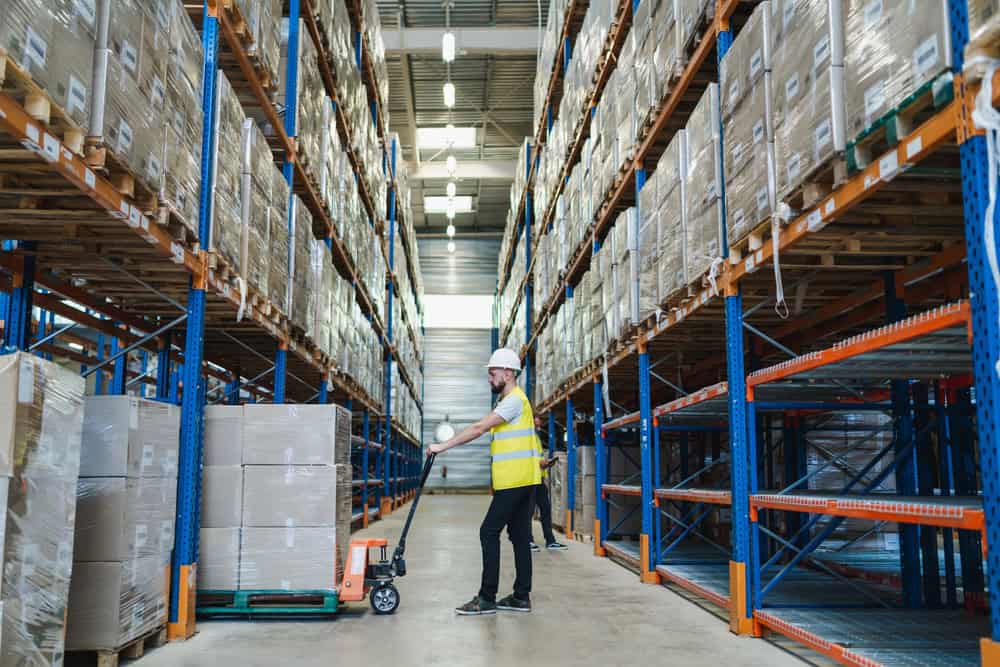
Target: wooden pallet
(241,27)
(266,602)
(587,538)
(133,650)
(16,82)
(818,183)
(760,234)
(179,229)
(224,271)
(899,122)
(102,159)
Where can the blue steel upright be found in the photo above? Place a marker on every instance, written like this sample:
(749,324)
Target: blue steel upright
(983,292)
(17,331)
(570,466)
(601,474)
(529,368)
(163,367)
(185,556)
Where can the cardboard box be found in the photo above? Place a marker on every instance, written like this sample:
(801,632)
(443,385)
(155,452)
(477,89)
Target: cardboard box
(288,558)
(219,559)
(749,163)
(703,221)
(129,437)
(221,496)
(110,604)
(120,518)
(223,427)
(296,435)
(291,495)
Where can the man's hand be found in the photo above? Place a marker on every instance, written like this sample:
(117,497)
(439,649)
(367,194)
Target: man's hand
(436,448)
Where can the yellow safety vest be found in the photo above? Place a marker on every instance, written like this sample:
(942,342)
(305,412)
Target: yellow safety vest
(541,455)
(515,451)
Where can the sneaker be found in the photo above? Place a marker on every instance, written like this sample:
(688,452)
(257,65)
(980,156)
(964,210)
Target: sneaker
(511,603)
(535,547)
(556,546)
(477,607)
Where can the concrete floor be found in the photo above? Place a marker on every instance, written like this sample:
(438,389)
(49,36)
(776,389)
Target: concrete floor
(587,611)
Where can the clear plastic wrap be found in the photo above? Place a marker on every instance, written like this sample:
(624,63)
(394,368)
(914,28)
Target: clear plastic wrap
(223,435)
(135,87)
(671,172)
(219,559)
(41,425)
(227,208)
(808,103)
(277,223)
(121,518)
(300,268)
(703,230)
(311,434)
(745,86)
(264,20)
(113,603)
(894,49)
(125,436)
(183,121)
(690,15)
(984,20)
(321,286)
(257,177)
(310,101)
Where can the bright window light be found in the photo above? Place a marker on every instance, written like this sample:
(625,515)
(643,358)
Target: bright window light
(451,246)
(449,94)
(448,47)
(462,203)
(450,188)
(451,231)
(434,138)
(450,211)
(458,311)
(451,165)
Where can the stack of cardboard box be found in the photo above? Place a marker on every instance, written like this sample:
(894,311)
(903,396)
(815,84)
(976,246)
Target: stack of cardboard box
(585,491)
(126,509)
(227,205)
(703,202)
(41,421)
(276,503)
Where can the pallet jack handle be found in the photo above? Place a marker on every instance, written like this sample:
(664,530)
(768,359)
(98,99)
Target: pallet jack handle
(398,564)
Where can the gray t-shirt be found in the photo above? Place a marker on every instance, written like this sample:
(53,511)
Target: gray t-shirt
(509,408)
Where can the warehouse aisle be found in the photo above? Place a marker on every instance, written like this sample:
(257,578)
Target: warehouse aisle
(587,612)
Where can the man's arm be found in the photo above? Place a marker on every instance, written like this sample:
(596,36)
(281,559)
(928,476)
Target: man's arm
(468,434)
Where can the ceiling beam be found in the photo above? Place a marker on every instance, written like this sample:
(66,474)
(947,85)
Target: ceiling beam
(496,170)
(496,41)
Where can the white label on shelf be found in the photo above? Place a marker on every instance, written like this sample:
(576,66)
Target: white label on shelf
(178,252)
(35,48)
(759,256)
(144,224)
(888,166)
(749,264)
(89,178)
(830,207)
(870,181)
(26,381)
(67,155)
(800,227)
(50,148)
(914,146)
(814,221)
(77,95)
(925,57)
(32,133)
(134,217)
(874,101)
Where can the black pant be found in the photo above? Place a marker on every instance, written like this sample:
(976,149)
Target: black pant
(545,512)
(511,508)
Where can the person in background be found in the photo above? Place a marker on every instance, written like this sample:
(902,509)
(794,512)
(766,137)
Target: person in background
(542,499)
(516,475)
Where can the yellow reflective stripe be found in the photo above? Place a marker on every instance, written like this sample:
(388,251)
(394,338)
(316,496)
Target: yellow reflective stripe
(510,456)
(513,433)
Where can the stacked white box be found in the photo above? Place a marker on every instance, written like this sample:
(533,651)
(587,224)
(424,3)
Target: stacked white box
(702,205)
(126,510)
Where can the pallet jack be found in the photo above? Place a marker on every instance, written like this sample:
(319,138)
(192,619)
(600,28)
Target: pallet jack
(365,576)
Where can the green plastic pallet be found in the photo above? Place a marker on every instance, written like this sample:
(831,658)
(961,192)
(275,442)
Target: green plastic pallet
(267,602)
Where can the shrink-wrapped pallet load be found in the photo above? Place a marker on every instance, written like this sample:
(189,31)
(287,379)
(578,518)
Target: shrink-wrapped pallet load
(702,206)
(748,132)
(808,105)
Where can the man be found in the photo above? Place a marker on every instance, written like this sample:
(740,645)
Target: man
(543,501)
(516,474)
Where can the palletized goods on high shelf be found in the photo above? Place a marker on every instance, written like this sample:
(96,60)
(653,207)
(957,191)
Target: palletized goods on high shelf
(801,86)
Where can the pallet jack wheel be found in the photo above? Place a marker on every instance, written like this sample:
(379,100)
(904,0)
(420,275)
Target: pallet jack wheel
(384,598)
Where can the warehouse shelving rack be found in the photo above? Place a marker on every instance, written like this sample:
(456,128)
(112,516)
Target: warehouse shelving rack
(88,254)
(921,263)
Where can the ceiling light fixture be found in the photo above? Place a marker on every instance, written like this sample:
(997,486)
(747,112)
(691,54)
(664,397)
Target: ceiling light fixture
(450,188)
(451,231)
(450,211)
(449,94)
(451,165)
(448,46)
(451,246)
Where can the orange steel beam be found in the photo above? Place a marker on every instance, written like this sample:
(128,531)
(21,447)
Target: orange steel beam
(697,589)
(620,490)
(812,640)
(700,396)
(914,327)
(709,496)
(20,126)
(877,510)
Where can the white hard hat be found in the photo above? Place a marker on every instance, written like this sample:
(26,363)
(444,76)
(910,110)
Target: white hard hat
(505,358)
